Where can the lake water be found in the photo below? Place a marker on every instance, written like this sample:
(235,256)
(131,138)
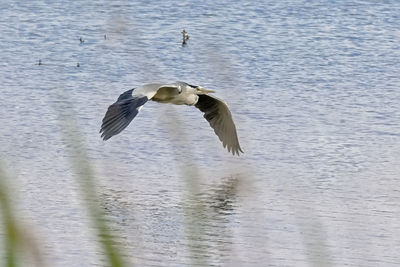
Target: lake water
(314,88)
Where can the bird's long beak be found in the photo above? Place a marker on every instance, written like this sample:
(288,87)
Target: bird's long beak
(205,91)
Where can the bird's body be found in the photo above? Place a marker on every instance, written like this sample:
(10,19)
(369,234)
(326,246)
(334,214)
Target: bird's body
(216,112)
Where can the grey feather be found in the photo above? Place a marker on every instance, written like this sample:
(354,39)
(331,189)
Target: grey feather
(217,113)
(121,113)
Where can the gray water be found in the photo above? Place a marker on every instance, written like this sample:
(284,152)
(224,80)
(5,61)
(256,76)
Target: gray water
(314,88)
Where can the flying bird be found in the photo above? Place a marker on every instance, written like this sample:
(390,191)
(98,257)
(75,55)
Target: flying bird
(216,111)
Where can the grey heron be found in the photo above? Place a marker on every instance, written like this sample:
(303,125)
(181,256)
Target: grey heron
(216,111)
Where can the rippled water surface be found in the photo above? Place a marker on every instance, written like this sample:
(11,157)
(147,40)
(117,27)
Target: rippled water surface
(314,87)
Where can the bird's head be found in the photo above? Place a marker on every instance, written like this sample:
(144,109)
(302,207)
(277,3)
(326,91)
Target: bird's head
(200,90)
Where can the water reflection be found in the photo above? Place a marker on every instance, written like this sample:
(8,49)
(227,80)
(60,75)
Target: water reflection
(221,197)
(215,221)
(199,226)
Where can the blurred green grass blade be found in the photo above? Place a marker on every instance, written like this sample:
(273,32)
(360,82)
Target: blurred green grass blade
(86,180)
(195,217)
(9,223)
(18,241)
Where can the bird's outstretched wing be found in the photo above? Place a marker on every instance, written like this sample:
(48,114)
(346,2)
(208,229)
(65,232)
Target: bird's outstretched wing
(121,113)
(127,106)
(217,113)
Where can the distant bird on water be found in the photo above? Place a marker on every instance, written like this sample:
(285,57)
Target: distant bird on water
(216,111)
(185,37)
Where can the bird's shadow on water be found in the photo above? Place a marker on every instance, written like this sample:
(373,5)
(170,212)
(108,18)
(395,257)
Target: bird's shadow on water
(221,197)
(218,198)
(204,219)
(210,216)
(116,207)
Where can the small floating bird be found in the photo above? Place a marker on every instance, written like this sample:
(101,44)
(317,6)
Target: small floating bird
(185,37)
(216,111)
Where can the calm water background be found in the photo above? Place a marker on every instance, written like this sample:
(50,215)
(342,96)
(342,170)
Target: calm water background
(314,87)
